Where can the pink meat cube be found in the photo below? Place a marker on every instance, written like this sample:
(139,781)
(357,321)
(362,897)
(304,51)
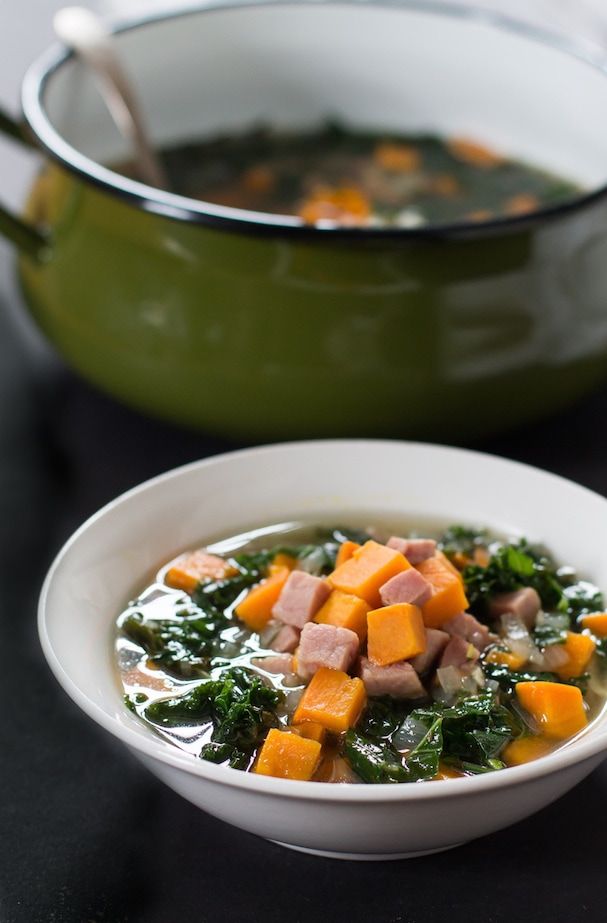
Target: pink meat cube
(279,664)
(466,626)
(326,646)
(286,640)
(524,603)
(398,680)
(415,550)
(300,599)
(407,587)
(459,653)
(436,641)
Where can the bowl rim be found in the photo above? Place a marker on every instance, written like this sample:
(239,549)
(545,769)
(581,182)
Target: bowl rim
(587,745)
(182,208)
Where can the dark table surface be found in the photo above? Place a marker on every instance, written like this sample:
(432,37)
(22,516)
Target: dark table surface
(86,834)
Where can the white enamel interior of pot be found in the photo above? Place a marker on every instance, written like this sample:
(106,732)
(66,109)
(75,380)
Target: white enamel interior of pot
(377,67)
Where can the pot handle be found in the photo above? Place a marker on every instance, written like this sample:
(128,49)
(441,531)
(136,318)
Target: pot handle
(30,241)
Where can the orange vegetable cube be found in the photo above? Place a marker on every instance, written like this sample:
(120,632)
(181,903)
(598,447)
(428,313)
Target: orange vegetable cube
(283,560)
(190,569)
(557,708)
(255,610)
(579,649)
(367,570)
(397,158)
(344,611)
(448,772)
(507,659)
(526,749)
(596,623)
(288,756)
(395,633)
(474,153)
(346,550)
(332,699)
(312,730)
(448,597)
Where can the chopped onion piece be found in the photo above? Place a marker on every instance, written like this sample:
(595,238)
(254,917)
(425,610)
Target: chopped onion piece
(450,679)
(523,647)
(478,676)
(555,656)
(513,627)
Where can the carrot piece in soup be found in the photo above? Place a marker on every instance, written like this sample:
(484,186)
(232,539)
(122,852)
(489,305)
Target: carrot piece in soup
(332,699)
(477,155)
(346,550)
(448,772)
(344,611)
(579,650)
(526,749)
(397,158)
(506,659)
(255,610)
(448,597)
(395,633)
(596,623)
(367,570)
(284,560)
(557,708)
(346,205)
(288,756)
(521,204)
(191,569)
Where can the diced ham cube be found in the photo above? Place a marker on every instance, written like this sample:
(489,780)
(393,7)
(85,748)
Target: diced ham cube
(524,603)
(466,626)
(415,550)
(286,640)
(436,641)
(326,646)
(300,599)
(458,653)
(407,587)
(278,664)
(398,680)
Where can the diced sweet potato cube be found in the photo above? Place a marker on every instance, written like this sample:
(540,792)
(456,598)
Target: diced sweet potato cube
(448,772)
(506,659)
(312,730)
(367,570)
(283,560)
(596,623)
(395,633)
(332,699)
(346,550)
(255,610)
(288,756)
(344,611)
(190,569)
(448,597)
(557,708)
(474,153)
(397,158)
(526,749)
(579,650)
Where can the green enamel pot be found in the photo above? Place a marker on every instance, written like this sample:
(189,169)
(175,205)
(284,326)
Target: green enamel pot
(256,326)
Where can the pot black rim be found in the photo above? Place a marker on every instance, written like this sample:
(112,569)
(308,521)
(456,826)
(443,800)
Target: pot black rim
(181,208)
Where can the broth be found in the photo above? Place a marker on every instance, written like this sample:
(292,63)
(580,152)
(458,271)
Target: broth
(174,648)
(341,176)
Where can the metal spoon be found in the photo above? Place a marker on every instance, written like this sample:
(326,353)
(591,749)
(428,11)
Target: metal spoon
(86,34)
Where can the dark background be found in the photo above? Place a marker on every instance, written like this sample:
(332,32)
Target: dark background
(86,834)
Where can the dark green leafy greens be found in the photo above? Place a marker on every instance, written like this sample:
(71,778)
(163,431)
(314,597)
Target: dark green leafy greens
(468,735)
(240,707)
(183,646)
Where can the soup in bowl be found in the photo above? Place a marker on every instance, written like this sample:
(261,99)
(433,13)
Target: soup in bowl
(505,714)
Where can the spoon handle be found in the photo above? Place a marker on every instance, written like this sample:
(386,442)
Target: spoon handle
(88,37)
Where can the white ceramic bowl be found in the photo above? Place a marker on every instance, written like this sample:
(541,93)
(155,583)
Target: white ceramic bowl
(106,560)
